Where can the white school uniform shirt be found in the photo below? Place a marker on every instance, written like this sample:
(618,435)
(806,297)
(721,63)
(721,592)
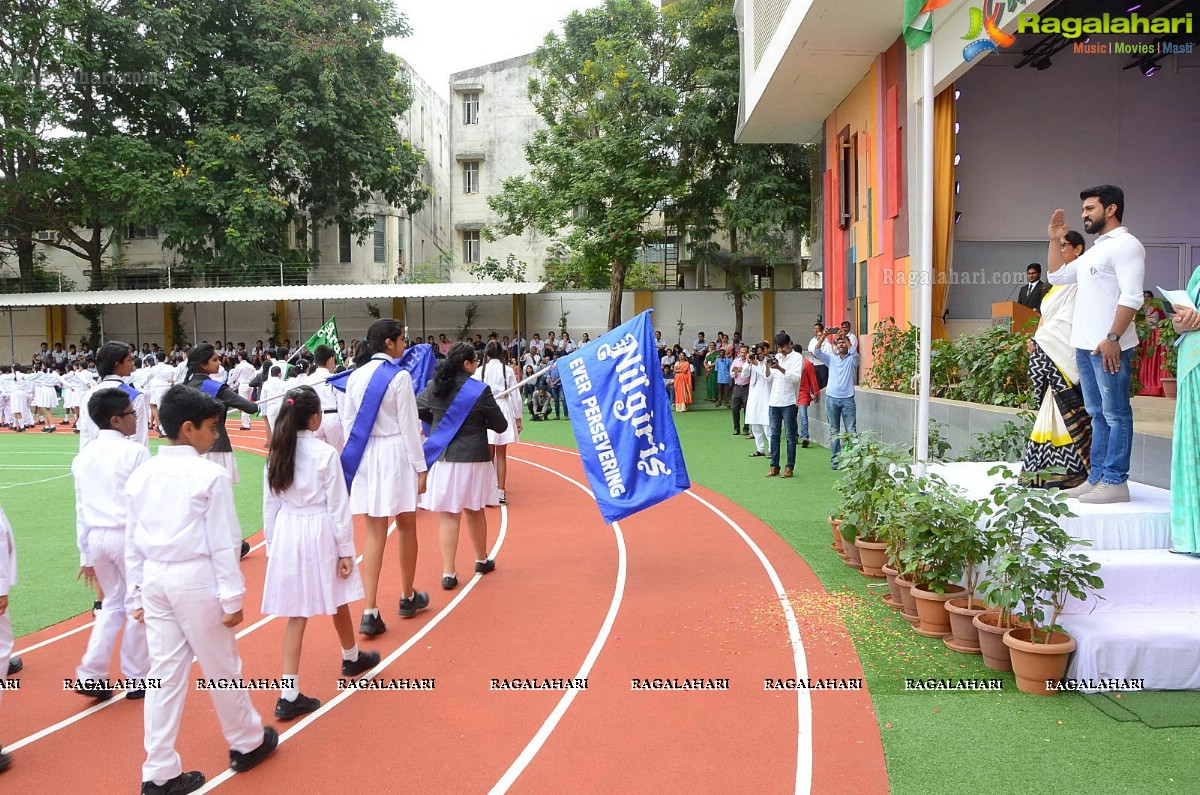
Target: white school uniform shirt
(499,377)
(397,412)
(1109,274)
(181,509)
(162,375)
(318,483)
(88,430)
(273,387)
(785,387)
(329,396)
(8,556)
(101,471)
(241,375)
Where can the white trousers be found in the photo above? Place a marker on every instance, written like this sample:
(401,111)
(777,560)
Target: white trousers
(760,437)
(108,559)
(331,432)
(245,390)
(6,644)
(183,619)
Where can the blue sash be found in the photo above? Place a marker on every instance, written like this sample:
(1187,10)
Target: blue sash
(437,442)
(364,421)
(128,390)
(210,387)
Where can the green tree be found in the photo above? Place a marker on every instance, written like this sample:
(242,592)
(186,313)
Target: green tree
(758,193)
(604,162)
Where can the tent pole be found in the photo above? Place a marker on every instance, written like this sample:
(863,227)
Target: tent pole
(137,329)
(925,289)
(224,320)
(12,336)
(424,332)
(195,325)
(299,321)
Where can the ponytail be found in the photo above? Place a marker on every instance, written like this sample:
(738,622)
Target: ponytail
(446,373)
(378,333)
(299,406)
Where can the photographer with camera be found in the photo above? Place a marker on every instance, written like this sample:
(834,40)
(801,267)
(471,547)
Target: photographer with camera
(839,399)
(784,370)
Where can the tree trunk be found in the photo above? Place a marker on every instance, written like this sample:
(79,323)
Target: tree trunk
(95,253)
(25,261)
(736,284)
(739,311)
(615,294)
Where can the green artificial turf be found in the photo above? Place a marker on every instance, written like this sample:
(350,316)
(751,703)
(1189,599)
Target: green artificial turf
(1155,709)
(935,742)
(37,493)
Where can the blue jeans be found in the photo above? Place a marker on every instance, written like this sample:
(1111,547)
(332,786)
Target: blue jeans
(783,418)
(841,412)
(1106,399)
(559,400)
(803,421)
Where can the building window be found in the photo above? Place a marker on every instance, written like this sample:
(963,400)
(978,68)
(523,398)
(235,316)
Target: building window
(470,107)
(343,244)
(470,247)
(135,232)
(470,176)
(380,239)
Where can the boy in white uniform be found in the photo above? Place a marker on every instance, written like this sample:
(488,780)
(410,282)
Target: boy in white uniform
(182,548)
(114,363)
(101,510)
(331,431)
(239,379)
(8,578)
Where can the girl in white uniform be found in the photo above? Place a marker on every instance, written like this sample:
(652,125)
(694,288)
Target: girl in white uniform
(310,543)
(497,375)
(45,399)
(18,400)
(391,472)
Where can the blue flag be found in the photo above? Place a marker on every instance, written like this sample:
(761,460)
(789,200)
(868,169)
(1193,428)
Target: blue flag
(622,420)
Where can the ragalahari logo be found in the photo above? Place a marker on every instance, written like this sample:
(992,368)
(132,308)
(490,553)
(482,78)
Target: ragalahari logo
(984,33)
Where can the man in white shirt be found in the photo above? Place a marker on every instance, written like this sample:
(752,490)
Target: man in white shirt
(1110,276)
(784,370)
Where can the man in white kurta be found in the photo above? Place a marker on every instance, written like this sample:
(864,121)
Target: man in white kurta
(101,471)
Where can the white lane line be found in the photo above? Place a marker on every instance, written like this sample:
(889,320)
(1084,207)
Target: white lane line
(34,482)
(531,749)
(804,738)
(35,466)
(306,721)
(48,641)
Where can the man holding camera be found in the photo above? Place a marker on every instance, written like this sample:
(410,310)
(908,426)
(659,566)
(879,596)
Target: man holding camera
(839,397)
(783,371)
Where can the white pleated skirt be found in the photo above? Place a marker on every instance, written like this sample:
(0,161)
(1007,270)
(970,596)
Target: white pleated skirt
(70,398)
(45,397)
(509,436)
(228,461)
(157,392)
(453,486)
(385,484)
(302,579)
(18,401)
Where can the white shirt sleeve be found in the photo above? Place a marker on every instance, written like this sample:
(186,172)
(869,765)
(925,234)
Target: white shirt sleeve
(1129,262)
(224,539)
(1064,275)
(339,505)
(410,423)
(271,506)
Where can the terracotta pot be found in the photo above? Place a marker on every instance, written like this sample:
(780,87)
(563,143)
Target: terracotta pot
(835,525)
(966,637)
(1170,388)
(991,641)
(873,555)
(931,607)
(851,557)
(1034,663)
(908,602)
(892,599)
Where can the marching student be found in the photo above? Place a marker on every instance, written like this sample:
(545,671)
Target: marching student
(272,389)
(310,543)
(203,363)
(181,555)
(496,374)
(162,376)
(385,464)
(330,431)
(8,578)
(101,512)
(462,480)
(239,379)
(114,363)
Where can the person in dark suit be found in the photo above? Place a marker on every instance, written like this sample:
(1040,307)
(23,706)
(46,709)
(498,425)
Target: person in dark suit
(1033,290)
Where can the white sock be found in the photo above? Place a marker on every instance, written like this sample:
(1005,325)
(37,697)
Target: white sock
(350,654)
(371,611)
(449,574)
(291,688)
(481,561)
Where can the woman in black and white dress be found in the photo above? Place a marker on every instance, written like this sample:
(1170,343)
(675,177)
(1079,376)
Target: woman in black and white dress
(499,376)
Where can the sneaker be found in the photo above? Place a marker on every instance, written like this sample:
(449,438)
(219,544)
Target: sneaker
(242,762)
(1106,494)
(184,782)
(97,605)
(450,583)
(371,625)
(6,761)
(414,604)
(486,567)
(136,694)
(15,665)
(290,710)
(1080,490)
(245,549)
(804,442)
(502,498)
(365,662)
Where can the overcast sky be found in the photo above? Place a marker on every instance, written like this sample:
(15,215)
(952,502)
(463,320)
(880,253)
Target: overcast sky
(452,35)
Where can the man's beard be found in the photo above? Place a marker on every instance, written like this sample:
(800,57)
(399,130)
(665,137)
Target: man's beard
(1090,226)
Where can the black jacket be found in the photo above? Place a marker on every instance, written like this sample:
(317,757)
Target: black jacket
(1031,295)
(232,400)
(470,444)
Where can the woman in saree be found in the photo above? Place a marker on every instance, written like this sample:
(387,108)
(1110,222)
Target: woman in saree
(683,383)
(1062,430)
(1185,443)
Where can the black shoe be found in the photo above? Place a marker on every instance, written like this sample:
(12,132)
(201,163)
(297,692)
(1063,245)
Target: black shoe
(737,433)
(51,428)
(184,782)
(15,665)
(5,761)
(135,695)
(757,454)
(365,662)
(414,604)
(245,549)
(804,442)
(485,567)
(371,625)
(450,583)
(242,762)
(98,693)
(64,422)
(290,710)
(97,605)
(76,430)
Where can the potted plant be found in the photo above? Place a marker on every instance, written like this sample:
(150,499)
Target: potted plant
(1167,337)
(941,538)
(867,485)
(1033,569)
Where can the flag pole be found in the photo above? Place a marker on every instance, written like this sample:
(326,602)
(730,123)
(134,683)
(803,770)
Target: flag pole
(925,283)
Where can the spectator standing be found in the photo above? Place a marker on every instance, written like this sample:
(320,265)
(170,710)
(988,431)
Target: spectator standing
(840,408)
(784,371)
(739,372)
(722,367)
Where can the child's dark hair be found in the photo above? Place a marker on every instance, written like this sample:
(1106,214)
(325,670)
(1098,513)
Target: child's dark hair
(183,404)
(106,404)
(299,406)
(110,355)
(447,370)
(323,354)
(378,333)
(199,356)
(275,371)
(493,350)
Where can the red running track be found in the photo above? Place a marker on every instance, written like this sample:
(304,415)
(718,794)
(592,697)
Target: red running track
(675,592)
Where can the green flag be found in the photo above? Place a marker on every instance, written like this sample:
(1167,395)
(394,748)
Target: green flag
(918,24)
(326,335)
